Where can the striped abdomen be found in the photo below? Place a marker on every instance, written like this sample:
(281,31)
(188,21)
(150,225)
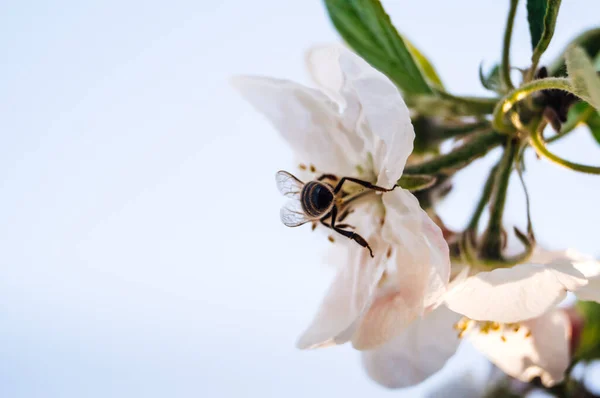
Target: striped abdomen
(317,199)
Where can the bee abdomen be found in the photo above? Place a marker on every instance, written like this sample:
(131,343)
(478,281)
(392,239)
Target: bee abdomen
(316,199)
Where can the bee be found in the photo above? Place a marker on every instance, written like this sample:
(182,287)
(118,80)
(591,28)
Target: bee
(322,200)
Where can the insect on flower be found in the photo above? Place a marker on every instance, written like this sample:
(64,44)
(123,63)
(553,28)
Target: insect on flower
(322,200)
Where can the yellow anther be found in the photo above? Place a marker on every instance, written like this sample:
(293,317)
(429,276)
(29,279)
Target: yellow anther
(503,338)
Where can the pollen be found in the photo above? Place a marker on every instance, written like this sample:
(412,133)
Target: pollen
(489,327)
(302,166)
(389,252)
(463,326)
(514,326)
(313,169)
(331,238)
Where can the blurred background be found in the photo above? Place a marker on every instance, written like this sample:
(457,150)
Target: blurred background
(141,252)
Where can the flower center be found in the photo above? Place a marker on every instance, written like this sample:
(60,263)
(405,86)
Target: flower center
(503,330)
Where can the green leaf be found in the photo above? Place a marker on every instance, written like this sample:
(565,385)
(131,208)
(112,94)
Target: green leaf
(491,81)
(542,16)
(536,10)
(426,66)
(588,40)
(366,28)
(416,182)
(593,123)
(577,114)
(583,77)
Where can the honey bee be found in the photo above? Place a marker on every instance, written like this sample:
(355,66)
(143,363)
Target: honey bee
(322,200)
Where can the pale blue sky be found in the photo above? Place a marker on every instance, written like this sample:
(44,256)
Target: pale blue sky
(141,248)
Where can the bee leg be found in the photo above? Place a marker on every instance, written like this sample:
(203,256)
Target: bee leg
(355,237)
(348,234)
(343,226)
(327,177)
(365,184)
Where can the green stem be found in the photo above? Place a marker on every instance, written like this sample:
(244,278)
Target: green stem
(460,157)
(505,68)
(485,197)
(509,100)
(538,144)
(457,131)
(477,105)
(492,240)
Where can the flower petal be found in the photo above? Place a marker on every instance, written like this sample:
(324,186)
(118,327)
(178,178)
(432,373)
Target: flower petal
(588,266)
(423,266)
(385,121)
(514,294)
(323,64)
(591,270)
(417,353)
(306,118)
(545,353)
(389,315)
(417,279)
(349,296)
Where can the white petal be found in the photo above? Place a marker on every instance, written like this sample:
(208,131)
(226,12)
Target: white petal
(306,118)
(384,117)
(417,271)
(591,270)
(390,314)
(423,260)
(514,294)
(420,351)
(589,267)
(349,296)
(545,353)
(385,122)
(323,64)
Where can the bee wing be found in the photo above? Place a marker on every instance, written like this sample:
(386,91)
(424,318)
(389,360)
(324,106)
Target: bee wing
(288,185)
(292,214)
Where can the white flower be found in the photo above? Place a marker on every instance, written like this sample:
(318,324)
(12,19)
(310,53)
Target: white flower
(527,336)
(357,125)
(511,318)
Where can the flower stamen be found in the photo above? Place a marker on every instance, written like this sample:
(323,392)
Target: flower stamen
(489,327)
